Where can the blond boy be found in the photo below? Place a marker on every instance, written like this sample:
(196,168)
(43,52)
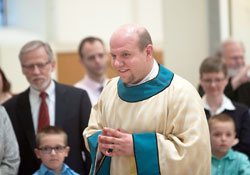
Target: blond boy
(52,149)
(225,160)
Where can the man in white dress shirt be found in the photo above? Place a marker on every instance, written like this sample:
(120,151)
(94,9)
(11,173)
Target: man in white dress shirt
(94,59)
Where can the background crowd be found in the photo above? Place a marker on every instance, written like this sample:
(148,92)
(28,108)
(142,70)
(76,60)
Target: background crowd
(225,100)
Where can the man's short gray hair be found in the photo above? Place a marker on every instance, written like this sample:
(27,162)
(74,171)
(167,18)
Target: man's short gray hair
(221,48)
(32,45)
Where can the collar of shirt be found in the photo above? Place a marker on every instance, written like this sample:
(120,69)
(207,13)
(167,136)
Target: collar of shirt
(94,84)
(65,170)
(35,95)
(152,74)
(229,155)
(35,101)
(226,105)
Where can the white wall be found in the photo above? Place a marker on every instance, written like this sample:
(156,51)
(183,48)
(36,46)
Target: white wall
(77,19)
(241,23)
(185,37)
(180,28)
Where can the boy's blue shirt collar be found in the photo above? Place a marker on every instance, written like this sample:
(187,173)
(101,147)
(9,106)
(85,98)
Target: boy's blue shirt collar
(45,171)
(229,155)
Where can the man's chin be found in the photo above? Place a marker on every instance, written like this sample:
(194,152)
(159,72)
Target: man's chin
(233,72)
(39,87)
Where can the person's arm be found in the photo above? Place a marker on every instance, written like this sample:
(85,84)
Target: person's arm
(85,112)
(90,135)
(11,159)
(241,78)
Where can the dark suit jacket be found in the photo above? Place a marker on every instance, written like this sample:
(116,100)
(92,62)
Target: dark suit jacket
(72,110)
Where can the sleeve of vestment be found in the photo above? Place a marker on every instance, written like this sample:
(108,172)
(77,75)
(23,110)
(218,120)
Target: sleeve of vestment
(184,146)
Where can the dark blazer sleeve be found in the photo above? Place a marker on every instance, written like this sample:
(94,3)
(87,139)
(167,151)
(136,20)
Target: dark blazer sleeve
(242,122)
(85,113)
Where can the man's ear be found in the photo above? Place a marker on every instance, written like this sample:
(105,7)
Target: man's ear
(236,140)
(37,152)
(53,65)
(149,50)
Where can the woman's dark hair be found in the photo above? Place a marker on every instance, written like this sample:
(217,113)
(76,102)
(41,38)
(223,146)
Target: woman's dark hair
(6,83)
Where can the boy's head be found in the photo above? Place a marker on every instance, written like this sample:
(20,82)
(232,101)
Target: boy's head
(52,147)
(222,134)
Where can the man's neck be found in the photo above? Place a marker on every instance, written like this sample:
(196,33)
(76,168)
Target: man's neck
(153,70)
(214,102)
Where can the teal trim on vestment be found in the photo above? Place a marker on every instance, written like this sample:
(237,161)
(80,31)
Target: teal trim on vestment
(105,166)
(93,142)
(148,89)
(146,154)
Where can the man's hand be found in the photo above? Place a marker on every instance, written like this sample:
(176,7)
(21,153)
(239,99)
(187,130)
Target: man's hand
(241,78)
(119,142)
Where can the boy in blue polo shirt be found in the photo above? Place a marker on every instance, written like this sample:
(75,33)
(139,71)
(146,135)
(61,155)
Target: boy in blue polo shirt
(225,160)
(52,149)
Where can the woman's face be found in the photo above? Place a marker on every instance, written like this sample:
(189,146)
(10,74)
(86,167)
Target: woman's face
(214,83)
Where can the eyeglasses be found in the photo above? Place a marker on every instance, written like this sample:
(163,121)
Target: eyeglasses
(48,149)
(210,81)
(40,66)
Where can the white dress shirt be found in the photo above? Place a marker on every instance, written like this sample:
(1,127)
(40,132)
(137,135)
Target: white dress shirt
(35,102)
(92,87)
(226,104)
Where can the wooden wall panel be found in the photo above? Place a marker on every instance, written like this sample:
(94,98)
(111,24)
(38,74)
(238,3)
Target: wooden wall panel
(70,70)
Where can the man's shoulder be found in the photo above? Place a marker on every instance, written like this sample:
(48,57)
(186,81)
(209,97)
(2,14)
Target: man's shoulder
(68,88)
(239,155)
(181,83)
(240,106)
(79,84)
(18,98)
(112,81)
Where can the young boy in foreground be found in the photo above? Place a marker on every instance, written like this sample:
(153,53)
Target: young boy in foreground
(226,161)
(52,149)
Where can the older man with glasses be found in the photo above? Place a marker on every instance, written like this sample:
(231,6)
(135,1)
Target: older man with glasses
(47,102)
(213,79)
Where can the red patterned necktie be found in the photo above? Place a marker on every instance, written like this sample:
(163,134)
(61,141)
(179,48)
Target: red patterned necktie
(43,119)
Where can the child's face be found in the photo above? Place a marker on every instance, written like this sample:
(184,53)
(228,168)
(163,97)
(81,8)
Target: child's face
(55,158)
(222,137)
